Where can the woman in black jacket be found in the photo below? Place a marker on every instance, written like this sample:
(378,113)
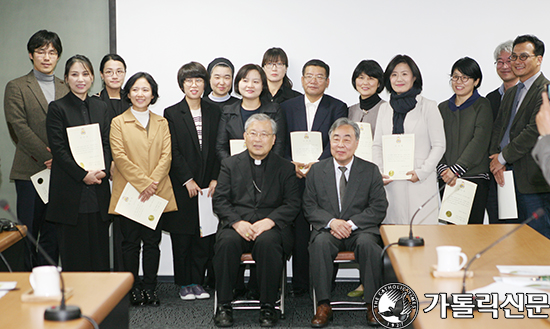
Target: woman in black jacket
(251,84)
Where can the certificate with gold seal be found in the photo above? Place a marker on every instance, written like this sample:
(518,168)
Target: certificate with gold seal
(145,213)
(398,155)
(457,202)
(364,149)
(306,146)
(86,146)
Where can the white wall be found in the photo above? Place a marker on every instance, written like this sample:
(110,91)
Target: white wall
(160,36)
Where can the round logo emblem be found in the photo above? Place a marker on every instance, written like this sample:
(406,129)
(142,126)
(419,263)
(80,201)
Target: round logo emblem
(449,213)
(395,305)
(151,218)
(391,173)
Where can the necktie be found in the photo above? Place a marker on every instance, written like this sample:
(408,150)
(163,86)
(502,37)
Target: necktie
(343,184)
(506,138)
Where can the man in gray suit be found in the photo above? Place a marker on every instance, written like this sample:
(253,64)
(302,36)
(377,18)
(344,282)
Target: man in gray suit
(541,151)
(26,102)
(515,132)
(344,202)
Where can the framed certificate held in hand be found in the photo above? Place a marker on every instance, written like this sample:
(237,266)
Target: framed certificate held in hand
(398,155)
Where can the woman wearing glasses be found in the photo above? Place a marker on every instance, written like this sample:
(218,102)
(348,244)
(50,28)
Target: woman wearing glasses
(113,71)
(368,80)
(275,64)
(408,112)
(193,126)
(250,83)
(142,151)
(468,122)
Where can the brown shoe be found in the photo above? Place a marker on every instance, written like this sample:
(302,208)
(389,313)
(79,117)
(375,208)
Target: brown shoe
(322,316)
(371,321)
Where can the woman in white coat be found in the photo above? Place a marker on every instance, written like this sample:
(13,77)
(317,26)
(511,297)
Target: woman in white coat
(408,112)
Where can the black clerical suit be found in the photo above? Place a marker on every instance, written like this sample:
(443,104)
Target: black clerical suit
(236,198)
(364,204)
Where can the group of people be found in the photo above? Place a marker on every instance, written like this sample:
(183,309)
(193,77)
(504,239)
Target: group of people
(266,203)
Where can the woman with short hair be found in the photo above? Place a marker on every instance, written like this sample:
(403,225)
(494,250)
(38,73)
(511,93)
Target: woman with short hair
(251,84)
(468,122)
(193,126)
(141,147)
(408,112)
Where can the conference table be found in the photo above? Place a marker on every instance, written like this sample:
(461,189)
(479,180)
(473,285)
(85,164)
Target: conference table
(8,238)
(412,266)
(98,294)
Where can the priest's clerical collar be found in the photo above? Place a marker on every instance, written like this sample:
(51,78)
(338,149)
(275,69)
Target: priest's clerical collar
(257,162)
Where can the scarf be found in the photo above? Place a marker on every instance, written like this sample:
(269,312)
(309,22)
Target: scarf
(401,105)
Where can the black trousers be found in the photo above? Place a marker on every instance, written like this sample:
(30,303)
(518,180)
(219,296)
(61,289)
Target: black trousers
(84,247)
(268,253)
(324,248)
(300,255)
(31,211)
(190,254)
(133,235)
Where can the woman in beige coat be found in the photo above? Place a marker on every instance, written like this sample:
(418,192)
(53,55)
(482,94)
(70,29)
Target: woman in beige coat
(141,147)
(408,112)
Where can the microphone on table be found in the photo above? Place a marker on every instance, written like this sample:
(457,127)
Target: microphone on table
(538,213)
(412,241)
(62,312)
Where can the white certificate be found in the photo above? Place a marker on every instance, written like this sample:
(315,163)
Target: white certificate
(208,221)
(41,183)
(457,202)
(507,206)
(398,155)
(364,149)
(86,146)
(146,213)
(236,146)
(306,146)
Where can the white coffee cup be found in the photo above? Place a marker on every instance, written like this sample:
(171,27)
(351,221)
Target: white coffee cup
(45,281)
(448,258)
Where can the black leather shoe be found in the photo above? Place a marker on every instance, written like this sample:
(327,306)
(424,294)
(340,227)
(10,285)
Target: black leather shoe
(371,321)
(298,292)
(268,316)
(136,297)
(151,297)
(224,316)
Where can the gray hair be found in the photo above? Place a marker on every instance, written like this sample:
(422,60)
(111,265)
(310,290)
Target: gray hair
(505,46)
(343,122)
(261,117)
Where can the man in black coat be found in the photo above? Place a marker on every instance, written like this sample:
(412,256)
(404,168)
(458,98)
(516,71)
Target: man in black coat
(256,200)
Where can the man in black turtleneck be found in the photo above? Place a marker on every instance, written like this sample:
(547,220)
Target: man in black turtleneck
(26,102)
(256,200)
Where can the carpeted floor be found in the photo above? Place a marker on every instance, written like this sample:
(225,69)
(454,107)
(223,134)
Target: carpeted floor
(177,313)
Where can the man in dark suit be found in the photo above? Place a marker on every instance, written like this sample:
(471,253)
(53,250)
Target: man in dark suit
(515,132)
(256,201)
(26,102)
(344,202)
(313,111)
(509,79)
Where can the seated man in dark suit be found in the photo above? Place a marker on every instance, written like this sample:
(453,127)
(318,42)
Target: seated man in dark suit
(314,111)
(344,202)
(256,200)
(541,151)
